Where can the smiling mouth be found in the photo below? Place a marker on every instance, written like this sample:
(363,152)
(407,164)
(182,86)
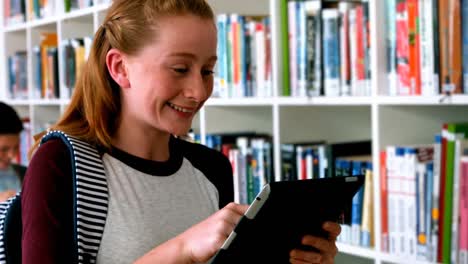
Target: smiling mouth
(181,109)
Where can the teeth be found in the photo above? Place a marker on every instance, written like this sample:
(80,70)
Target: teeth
(179,108)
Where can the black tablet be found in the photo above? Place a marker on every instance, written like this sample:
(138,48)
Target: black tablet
(282,213)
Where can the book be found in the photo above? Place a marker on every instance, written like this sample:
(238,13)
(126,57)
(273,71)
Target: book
(286,89)
(464,36)
(463,228)
(345,149)
(454,131)
(313,47)
(414,46)
(391,43)
(331,58)
(450,46)
(403,67)
(435,214)
(384,201)
(461,146)
(367,227)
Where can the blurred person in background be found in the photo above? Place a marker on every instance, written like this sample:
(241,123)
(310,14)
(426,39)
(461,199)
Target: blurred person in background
(11,175)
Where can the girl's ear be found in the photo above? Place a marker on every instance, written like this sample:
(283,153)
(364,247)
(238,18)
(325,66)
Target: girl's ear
(116,66)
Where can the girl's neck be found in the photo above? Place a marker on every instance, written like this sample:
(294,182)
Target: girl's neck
(147,143)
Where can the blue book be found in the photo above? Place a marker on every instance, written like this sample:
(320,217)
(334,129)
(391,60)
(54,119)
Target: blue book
(331,55)
(356,206)
(464,9)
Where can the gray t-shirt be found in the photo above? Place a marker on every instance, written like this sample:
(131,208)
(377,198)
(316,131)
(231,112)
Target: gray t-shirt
(152,202)
(9,180)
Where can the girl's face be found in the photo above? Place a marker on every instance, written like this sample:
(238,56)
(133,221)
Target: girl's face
(9,146)
(171,78)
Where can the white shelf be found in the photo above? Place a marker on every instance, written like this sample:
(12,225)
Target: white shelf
(42,22)
(439,100)
(78,13)
(325,101)
(38,102)
(240,102)
(356,251)
(15,28)
(18,102)
(401,260)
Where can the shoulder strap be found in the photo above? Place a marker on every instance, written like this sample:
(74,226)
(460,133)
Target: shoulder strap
(10,230)
(90,195)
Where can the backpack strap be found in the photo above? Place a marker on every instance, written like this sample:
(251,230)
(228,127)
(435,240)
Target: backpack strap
(90,195)
(10,230)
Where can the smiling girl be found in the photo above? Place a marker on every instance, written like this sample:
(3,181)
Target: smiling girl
(169,201)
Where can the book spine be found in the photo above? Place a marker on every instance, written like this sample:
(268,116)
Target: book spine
(236,54)
(421,249)
(465,44)
(313,44)
(234,159)
(293,46)
(367,47)
(443,158)
(427,48)
(455,201)
(391,47)
(414,47)
(448,202)
(435,214)
(409,200)
(403,67)
(367,211)
(353,47)
(221,84)
(286,90)
(384,201)
(428,212)
(260,58)
(463,230)
(450,46)
(330,56)
(436,42)
(356,205)
(361,83)
(455,48)
(345,71)
(301,50)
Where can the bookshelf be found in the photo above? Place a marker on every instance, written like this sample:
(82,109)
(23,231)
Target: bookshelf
(386,120)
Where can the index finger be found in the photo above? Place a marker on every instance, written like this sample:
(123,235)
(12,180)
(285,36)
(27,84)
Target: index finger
(332,228)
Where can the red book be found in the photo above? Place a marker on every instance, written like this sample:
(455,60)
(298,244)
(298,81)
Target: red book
(360,54)
(414,45)
(443,155)
(402,44)
(384,200)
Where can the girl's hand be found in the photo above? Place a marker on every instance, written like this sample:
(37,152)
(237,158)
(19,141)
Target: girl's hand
(203,240)
(327,249)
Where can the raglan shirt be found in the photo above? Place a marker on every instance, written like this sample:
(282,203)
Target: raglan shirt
(149,201)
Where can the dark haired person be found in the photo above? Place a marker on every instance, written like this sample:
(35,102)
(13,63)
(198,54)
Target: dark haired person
(11,175)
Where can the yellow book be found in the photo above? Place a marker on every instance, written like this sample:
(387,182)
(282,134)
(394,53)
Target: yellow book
(48,39)
(367,227)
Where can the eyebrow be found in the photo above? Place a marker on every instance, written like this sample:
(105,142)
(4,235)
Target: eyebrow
(190,55)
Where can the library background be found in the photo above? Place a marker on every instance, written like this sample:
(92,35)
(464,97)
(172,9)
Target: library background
(304,89)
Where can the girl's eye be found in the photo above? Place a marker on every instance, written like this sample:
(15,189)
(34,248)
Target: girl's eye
(180,70)
(207,72)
